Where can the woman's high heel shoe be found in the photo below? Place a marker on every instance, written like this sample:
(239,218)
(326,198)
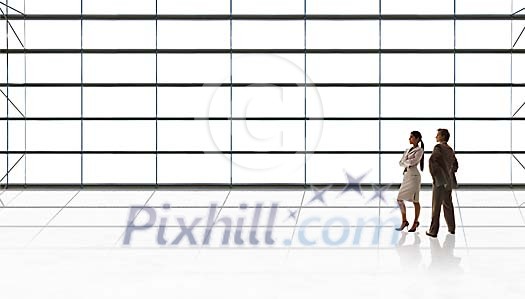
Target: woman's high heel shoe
(403,225)
(413,229)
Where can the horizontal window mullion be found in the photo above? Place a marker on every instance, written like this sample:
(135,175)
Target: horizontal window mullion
(152,17)
(239,186)
(262,51)
(262,84)
(249,152)
(258,118)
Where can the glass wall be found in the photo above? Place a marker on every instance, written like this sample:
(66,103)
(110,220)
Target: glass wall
(167,92)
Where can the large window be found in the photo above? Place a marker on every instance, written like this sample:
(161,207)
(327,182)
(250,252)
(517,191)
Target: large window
(227,92)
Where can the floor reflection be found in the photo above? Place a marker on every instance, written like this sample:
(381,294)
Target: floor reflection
(409,254)
(443,259)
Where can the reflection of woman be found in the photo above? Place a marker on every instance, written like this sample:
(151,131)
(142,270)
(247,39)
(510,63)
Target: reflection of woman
(411,185)
(409,255)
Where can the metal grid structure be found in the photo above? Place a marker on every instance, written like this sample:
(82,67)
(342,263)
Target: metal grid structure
(17,157)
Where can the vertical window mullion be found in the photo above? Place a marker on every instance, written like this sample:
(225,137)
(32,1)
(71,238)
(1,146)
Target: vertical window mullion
(81,93)
(156,97)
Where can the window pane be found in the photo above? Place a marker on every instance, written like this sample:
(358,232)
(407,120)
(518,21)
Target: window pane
(268,34)
(417,34)
(53,169)
(3,43)
(16,34)
(468,68)
(269,135)
(3,165)
(194,169)
(518,131)
(118,34)
(193,68)
(3,67)
(193,6)
(17,169)
(415,68)
(15,135)
(342,7)
(51,135)
(17,105)
(516,27)
(518,73)
(417,102)
(15,68)
(53,34)
(328,169)
(276,169)
(518,102)
(484,7)
(342,101)
(518,169)
(468,135)
(193,34)
(272,102)
(483,101)
(343,68)
(418,6)
(483,34)
(194,101)
(119,135)
(3,140)
(119,169)
(52,6)
(49,68)
(342,34)
(335,135)
(119,68)
(495,169)
(197,135)
(268,7)
(119,6)
(268,68)
(53,101)
(119,102)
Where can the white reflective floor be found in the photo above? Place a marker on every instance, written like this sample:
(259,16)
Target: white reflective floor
(63,244)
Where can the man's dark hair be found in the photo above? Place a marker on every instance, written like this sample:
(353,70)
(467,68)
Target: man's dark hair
(444,133)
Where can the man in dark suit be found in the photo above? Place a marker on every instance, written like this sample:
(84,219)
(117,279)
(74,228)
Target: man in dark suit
(443,165)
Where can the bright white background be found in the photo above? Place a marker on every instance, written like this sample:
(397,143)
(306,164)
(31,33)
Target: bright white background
(262,102)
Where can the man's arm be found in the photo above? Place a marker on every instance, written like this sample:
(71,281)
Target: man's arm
(434,161)
(455,164)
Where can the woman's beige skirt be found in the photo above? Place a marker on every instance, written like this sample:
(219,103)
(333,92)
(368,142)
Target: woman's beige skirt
(410,187)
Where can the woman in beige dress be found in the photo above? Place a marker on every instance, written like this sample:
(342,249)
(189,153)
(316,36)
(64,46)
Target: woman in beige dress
(409,190)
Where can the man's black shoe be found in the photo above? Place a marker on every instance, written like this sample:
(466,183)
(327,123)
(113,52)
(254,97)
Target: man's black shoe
(431,235)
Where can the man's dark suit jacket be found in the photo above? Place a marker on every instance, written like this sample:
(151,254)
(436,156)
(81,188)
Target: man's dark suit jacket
(443,166)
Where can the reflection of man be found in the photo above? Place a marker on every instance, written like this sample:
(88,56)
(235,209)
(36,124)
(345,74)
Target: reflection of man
(443,259)
(443,165)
